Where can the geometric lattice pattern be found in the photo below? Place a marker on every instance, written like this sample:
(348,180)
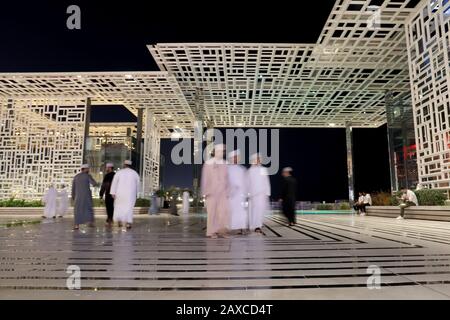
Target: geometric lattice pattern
(428,44)
(157,91)
(151,155)
(343,77)
(41,142)
(111,133)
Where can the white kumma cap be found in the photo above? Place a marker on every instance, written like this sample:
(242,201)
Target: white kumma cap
(234,153)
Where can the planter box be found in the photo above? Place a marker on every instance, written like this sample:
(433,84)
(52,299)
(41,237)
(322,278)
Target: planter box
(434,213)
(98,211)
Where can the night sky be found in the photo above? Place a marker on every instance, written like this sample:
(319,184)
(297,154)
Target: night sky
(113,37)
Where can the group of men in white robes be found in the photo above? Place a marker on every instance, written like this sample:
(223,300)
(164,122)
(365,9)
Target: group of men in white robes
(56,202)
(236,198)
(123,189)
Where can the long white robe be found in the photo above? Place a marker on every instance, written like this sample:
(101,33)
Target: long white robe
(63,203)
(238,190)
(125,188)
(259,192)
(186,203)
(50,203)
(214,186)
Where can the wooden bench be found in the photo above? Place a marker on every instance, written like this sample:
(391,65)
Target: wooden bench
(421,212)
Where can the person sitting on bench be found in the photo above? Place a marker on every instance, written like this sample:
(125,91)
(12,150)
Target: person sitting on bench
(360,203)
(409,199)
(367,201)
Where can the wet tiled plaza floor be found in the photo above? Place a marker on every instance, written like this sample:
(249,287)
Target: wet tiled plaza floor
(166,257)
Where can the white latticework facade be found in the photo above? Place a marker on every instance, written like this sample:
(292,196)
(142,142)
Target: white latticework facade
(41,143)
(158,91)
(362,52)
(42,135)
(341,78)
(151,155)
(428,48)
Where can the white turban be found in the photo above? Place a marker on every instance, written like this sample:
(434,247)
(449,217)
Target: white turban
(219,147)
(254,157)
(128,162)
(109,165)
(287,169)
(234,153)
(85,166)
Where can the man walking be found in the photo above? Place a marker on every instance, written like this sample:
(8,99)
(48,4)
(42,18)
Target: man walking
(259,193)
(82,197)
(238,191)
(105,191)
(124,190)
(214,186)
(289,195)
(50,201)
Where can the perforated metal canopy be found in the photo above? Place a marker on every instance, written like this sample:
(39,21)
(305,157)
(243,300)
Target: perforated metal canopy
(360,54)
(156,91)
(343,77)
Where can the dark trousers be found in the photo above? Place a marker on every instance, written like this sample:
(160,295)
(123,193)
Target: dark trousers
(405,205)
(109,203)
(289,210)
(361,207)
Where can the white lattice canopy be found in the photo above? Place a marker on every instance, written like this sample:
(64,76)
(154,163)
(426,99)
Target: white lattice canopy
(360,54)
(157,91)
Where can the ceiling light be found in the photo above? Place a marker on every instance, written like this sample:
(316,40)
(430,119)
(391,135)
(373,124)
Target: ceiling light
(332,124)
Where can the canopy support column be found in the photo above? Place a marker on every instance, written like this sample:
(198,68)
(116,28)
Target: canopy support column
(350,167)
(139,127)
(87,124)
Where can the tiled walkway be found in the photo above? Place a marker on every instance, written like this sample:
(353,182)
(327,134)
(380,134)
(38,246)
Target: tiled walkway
(323,257)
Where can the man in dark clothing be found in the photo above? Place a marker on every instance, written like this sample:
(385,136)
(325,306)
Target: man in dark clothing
(105,191)
(289,195)
(82,198)
(173,204)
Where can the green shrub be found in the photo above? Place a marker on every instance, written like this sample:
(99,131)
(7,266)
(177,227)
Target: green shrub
(142,203)
(344,206)
(160,193)
(426,197)
(381,199)
(430,197)
(20,203)
(98,202)
(395,198)
(324,207)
